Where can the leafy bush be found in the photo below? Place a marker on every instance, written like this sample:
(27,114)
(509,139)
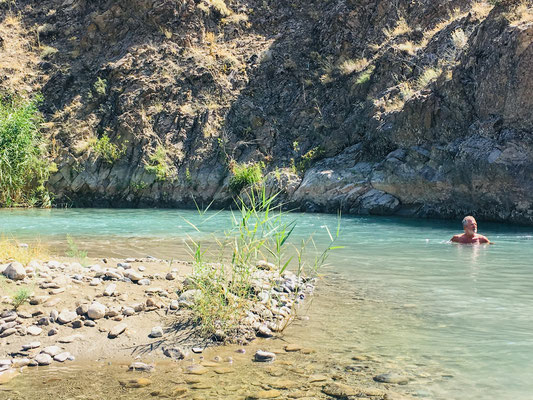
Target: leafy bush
(159,164)
(24,168)
(100,86)
(108,150)
(314,154)
(20,297)
(245,174)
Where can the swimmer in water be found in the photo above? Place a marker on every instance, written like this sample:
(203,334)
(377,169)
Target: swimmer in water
(470,236)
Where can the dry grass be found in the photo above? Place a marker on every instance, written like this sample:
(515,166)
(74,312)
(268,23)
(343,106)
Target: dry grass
(10,251)
(523,13)
(409,47)
(218,6)
(459,39)
(18,60)
(235,19)
(400,28)
(429,75)
(348,67)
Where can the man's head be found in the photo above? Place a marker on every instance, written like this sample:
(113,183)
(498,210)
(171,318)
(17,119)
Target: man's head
(469,225)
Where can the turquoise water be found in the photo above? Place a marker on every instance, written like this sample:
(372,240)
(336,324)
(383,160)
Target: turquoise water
(458,319)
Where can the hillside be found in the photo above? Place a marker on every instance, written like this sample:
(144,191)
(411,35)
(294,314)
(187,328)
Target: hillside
(418,107)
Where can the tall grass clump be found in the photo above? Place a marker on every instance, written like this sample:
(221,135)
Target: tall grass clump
(223,272)
(11,251)
(245,174)
(24,168)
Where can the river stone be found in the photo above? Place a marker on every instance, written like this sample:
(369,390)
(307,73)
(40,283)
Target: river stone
(317,378)
(133,275)
(265,265)
(110,290)
(5,362)
(264,356)
(20,362)
(67,316)
(174,305)
(95,282)
(69,339)
(284,384)
(112,312)
(392,377)
(57,291)
(144,282)
(223,370)
(8,332)
(15,271)
(90,323)
(123,265)
(263,331)
(34,330)
(339,390)
(53,315)
(180,390)
(157,332)
(31,345)
(96,311)
(82,309)
(10,317)
(114,275)
(35,300)
(117,330)
(7,375)
(139,366)
(196,369)
(138,307)
(43,359)
(128,311)
(177,353)
(264,394)
(52,350)
(170,276)
(62,357)
(135,383)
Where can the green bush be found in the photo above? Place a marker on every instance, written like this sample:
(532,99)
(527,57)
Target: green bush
(245,174)
(312,155)
(159,164)
(24,168)
(100,86)
(108,150)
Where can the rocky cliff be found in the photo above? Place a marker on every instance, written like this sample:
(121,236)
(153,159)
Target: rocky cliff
(415,107)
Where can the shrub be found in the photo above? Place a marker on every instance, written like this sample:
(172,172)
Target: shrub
(312,155)
(10,250)
(245,174)
(223,272)
(73,250)
(108,150)
(20,297)
(24,168)
(159,164)
(364,77)
(100,86)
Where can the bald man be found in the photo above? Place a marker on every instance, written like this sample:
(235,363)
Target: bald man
(470,236)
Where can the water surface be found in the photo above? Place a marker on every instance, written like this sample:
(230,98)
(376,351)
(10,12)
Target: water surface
(457,319)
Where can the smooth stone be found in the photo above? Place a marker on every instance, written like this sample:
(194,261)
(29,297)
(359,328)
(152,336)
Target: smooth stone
(53,332)
(176,353)
(96,311)
(4,362)
(133,275)
(15,271)
(76,324)
(174,305)
(292,347)
(67,316)
(62,357)
(52,350)
(170,276)
(95,282)
(264,356)
(7,375)
(69,339)
(139,366)
(263,331)
(53,315)
(117,330)
(31,345)
(196,369)
(339,390)
(317,378)
(136,383)
(124,265)
(157,332)
(20,362)
(43,359)
(34,330)
(138,307)
(56,291)
(128,311)
(144,282)
(223,370)
(90,323)
(36,300)
(392,377)
(110,290)
(197,350)
(112,312)
(8,332)
(82,309)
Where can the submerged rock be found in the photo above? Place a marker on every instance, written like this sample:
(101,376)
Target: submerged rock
(264,356)
(139,366)
(392,377)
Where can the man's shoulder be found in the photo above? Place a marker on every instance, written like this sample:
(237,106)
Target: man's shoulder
(483,239)
(456,238)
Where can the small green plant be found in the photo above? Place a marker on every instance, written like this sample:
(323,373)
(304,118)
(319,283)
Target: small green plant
(312,155)
(100,86)
(109,151)
(159,164)
(48,51)
(296,146)
(138,185)
(24,167)
(365,76)
(245,174)
(73,250)
(20,297)
(188,177)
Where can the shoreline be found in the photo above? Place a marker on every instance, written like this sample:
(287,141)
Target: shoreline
(123,308)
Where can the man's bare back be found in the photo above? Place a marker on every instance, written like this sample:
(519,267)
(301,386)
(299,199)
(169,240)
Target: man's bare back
(470,236)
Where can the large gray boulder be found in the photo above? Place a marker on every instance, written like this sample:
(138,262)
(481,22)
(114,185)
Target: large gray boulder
(15,271)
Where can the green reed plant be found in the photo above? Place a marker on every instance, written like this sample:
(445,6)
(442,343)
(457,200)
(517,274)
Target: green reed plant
(24,168)
(245,174)
(222,273)
(20,297)
(74,251)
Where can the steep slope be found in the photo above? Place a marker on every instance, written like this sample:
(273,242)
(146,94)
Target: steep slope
(411,107)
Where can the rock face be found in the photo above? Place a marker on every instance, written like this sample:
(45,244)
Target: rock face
(439,129)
